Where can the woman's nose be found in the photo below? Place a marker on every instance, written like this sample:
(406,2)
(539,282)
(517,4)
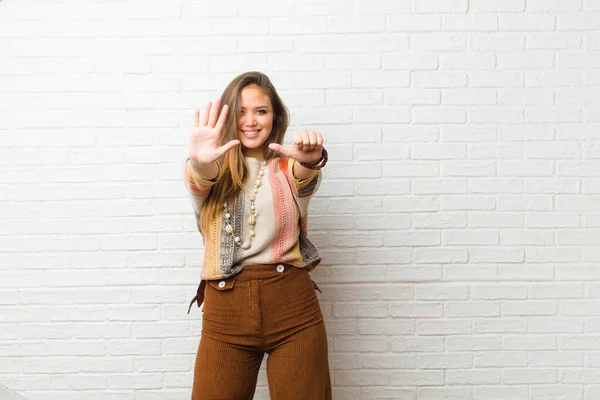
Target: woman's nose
(249,119)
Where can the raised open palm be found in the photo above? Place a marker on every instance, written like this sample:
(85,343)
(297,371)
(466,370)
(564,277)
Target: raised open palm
(205,139)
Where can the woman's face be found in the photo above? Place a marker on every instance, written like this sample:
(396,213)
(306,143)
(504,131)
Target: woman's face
(255,117)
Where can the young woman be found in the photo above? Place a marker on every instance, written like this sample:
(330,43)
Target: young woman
(250,196)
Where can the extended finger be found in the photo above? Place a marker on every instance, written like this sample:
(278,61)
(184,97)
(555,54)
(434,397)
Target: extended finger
(227,146)
(204,114)
(222,118)
(285,151)
(212,119)
(196,118)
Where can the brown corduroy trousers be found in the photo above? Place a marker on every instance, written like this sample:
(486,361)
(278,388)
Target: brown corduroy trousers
(269,309)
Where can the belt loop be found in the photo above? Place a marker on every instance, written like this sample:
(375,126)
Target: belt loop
(199,297)
(191,303)
(315,286)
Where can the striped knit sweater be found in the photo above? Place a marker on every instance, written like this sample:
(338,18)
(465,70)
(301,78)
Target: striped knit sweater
(281,228)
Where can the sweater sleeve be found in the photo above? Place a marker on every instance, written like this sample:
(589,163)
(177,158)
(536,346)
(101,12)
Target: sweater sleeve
(303,191)
(198,188)
(305,187)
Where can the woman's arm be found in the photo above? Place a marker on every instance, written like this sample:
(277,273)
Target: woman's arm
(307,149)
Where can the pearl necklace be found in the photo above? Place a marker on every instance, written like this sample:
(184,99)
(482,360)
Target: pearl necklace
(251,218)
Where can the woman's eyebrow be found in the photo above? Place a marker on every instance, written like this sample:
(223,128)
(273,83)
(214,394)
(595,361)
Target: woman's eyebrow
(256,108)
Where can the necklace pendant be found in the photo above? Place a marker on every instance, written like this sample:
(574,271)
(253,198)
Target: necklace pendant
(251,218)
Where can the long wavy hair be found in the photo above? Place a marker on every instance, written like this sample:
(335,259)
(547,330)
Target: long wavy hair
(234,170)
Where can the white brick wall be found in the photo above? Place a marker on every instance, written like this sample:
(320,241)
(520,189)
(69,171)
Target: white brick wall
(459,216)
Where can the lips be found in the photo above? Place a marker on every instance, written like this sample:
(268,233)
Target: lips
(251,134)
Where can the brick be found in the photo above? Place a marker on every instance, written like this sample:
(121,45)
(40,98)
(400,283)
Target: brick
(325,7)
(473,377)
(414,23)
(463,273)
(444,393)
(458,237)
(525,96)
(473,343)
(508,42)
(500,359)
(362,378)
(499,325)
(417,344)
(557,359)
(529,376)
(529,343)
(527,22)
(385,327)
(553,186)
(439,42)
(554,41)
(472,309)
(382,7)
(577,21)
(469,203)
(360,24)
(491,6)
(439,255)
(529,308)
(443,327)
(416,309)
(498,291)
(470,22)
(363,344)
(542,392)
(441,292)
(498,392)
(534,272)
(418,378)
(412,238)
(555,290)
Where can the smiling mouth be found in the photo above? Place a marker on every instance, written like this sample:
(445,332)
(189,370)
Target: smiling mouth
(251,134)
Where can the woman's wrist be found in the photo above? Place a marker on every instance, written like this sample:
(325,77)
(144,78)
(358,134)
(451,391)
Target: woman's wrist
(208,171)
(317,164)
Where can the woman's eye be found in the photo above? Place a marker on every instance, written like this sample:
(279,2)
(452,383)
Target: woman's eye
(262,111)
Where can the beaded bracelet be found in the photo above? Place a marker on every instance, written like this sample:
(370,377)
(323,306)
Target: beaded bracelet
(316,165)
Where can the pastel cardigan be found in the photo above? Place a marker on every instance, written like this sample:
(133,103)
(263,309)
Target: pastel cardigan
(290,244)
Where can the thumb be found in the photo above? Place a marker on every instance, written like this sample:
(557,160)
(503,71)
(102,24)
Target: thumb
(226,147)
(281,150)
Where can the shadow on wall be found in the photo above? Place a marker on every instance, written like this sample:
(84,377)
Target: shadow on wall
(6,394)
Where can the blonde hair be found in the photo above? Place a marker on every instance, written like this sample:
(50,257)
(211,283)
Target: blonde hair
(234,170)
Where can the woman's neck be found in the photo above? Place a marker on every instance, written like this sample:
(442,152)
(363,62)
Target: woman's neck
(257,153)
